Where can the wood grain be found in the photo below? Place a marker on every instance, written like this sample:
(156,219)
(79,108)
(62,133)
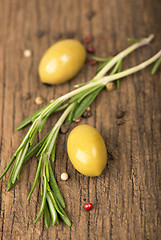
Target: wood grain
(127,196)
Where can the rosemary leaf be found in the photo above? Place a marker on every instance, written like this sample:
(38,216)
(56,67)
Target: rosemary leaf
(103,64)
(46,216)
(35,149)
(32,138)
(42,146)
(19,164)
(57,222)
(62,107)
(31,118)
(85,103)
(117,66)
(8,166)
(132,40)
(118,83)
(45,144)
(53,141)
(98,59)
(156,66)
(87,93)
(10,187)
(43,123)
(43,201)
(41,183)
(55,188)
(117,69)
(55,203)
(78,95)
(53,153)
(14,168)
(69,118)
(51,138)
(51,109)
(36,177)
(64,216)
(47,169)
(52,209)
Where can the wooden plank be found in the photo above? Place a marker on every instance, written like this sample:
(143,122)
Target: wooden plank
(127,196)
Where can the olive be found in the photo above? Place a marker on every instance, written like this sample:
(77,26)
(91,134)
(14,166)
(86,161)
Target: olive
(62,61)
(86,150)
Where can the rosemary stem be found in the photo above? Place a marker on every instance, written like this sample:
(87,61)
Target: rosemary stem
(61,119)
(131,70)
(67,96)
(103,81)
(74,92)
(64,116)
(58,125)
(121,55)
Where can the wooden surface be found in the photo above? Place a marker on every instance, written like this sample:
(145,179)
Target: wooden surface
(127,196)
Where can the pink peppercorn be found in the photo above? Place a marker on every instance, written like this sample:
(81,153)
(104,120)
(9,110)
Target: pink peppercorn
(93,63)
(78,120)
(90,49)
(87,39)
(88,206)
(102,39)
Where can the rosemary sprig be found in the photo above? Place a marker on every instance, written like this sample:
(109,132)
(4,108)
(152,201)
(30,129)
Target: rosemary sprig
(132,70)
(52,202)
(122,55)
(77,101)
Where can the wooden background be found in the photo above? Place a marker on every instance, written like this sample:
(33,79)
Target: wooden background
(127,196)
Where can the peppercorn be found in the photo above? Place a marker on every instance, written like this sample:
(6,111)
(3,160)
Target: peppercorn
(90,14)
(102,39)
(27,53)
(87,39)
(90,49)
(64,128)
(64,176)
(39,100)
(87,114)
(120,114)
(110,86)
(58,36)
(70,34)
(47,84)
(78,120)
(26,96)
(40,33)
(120,121)
(88,206)
(93,63)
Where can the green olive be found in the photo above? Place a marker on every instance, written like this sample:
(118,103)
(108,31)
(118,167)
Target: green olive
(87,150)
(62,61)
